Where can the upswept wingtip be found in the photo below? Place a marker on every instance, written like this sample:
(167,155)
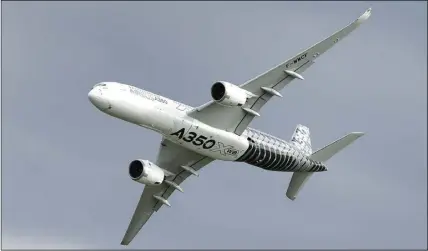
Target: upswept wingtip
(365,15)
(359,134)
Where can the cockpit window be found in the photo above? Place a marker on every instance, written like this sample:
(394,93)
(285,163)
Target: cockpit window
(100,85)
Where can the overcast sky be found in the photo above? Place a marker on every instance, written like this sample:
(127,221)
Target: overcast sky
(64,163)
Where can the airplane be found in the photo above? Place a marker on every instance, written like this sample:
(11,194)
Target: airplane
(193,137)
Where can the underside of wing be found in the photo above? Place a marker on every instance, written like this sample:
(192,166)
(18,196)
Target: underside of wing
(237,118)
(180,163)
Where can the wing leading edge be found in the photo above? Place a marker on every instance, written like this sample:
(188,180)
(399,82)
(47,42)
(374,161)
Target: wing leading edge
(268,84)
(171,157)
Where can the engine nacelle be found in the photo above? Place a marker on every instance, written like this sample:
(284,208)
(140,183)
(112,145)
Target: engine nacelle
(227,94)
(145,172)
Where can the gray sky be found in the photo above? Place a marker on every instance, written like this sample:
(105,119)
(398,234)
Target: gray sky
(64,176)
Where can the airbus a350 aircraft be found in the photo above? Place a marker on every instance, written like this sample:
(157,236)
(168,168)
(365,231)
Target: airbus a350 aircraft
(217,130)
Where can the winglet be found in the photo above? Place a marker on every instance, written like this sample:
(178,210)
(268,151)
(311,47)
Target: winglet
(364,16)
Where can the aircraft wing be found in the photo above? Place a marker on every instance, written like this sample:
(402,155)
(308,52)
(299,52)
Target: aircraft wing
(170,157)
(236,119)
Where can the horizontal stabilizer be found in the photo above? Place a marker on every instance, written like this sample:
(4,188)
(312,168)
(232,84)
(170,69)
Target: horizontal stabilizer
(300,178)
(328,151)
(296,183)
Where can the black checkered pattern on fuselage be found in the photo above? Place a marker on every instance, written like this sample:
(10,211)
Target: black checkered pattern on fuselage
(279,157)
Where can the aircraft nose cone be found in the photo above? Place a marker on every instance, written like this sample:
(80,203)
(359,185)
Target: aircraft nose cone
(97,99)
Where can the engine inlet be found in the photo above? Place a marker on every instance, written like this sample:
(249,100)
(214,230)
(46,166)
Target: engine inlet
(136,169)
(217,91)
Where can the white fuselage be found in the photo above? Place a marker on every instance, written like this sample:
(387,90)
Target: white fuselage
(168,118)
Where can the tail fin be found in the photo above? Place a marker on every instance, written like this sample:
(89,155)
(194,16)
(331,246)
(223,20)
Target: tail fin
(300,178)
(301,139)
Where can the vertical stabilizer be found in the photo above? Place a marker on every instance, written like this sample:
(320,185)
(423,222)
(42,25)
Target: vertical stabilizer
(302,140)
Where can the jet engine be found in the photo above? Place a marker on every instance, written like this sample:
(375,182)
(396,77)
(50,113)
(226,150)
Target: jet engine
(145,172)
(227,94)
